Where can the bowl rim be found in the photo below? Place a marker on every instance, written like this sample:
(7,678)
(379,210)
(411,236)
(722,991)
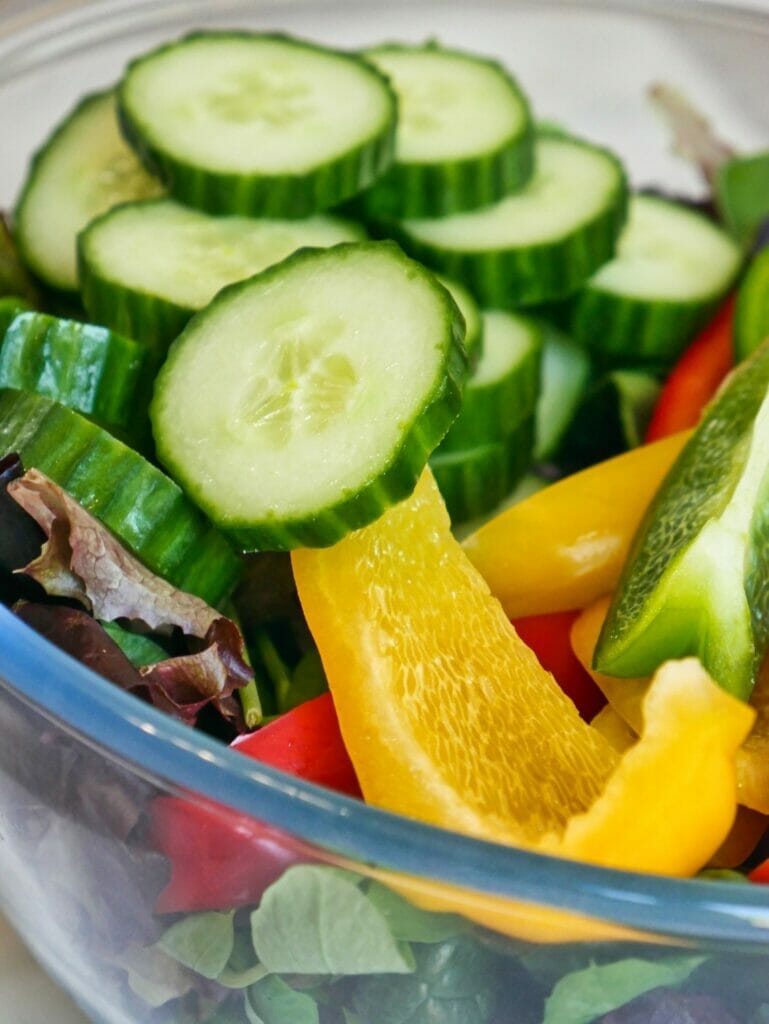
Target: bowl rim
(161,749)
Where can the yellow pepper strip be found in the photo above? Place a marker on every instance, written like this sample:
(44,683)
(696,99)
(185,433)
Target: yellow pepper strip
(565,545)
(625,696)
(614,729)
(743,838)
(681,775)
(753,758)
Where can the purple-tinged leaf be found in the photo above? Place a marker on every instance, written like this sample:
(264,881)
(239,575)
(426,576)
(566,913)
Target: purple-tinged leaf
(693,136)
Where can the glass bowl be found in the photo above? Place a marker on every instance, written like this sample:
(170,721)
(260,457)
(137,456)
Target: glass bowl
(104,801)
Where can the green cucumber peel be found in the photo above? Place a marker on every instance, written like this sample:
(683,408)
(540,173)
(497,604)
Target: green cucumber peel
(751,312)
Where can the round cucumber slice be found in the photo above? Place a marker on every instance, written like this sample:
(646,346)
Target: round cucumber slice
(502,390)
(464,136)
(564,378)
(91,369)
(134,499)
(473,481)
(304,401)
(540,244)
(83,169)
(145,268)
(238,122)
(672,269)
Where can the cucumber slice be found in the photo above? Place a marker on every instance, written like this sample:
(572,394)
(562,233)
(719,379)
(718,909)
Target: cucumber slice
(695,582)
(502,390)
(473,481)
(751,313)
(672,269)
(242,123)
(564,378)
(612,418)
(464,136)
(15,279)
(145,268)
(91,369)
(142,507)
(304,401)
(84,168)
(538,245)
(471,314)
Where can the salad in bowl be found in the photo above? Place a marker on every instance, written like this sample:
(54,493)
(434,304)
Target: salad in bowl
(383,481)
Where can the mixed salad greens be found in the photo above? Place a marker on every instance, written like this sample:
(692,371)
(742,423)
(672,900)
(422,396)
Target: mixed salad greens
(247,296)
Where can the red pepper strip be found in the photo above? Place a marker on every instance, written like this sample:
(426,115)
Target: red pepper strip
(696,377)
(549,636)
(760,874)
(220,859)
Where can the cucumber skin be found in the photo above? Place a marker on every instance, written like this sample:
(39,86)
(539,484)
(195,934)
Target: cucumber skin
(154,320)
(489,413)
(751,314)
(603,322)
(146,511)
(477,480)
(436,189)
(536,274)
(396,482)
(57,287)
(10,307)
(89,369)
(287,195)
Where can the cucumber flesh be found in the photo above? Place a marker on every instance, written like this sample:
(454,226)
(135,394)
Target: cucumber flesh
(672,269)
(751,313)
(304,401)
(143,508)
(238,122)
(145,268)
(91,369)
(540,244)
(502,391)
(695,582)
(464,136)
(83,169)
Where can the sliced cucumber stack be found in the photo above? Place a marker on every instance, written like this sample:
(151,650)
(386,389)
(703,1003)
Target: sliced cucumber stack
(91,369)
(464,136)
(304,401)
(475,480)
(672,269)
(540,244)
(243,123)
(490,444)
(502,391)
(145,268)
(142,507)
(83,169)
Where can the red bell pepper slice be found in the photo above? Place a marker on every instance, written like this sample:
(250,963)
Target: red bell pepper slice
(696,377)
(220,859)
(549,636)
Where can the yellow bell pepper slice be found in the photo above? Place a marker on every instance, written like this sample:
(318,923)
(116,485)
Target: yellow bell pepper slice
(565,545)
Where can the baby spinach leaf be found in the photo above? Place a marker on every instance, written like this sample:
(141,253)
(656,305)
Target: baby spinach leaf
(317,921)
(154,976)
(586,995)
(271,1001)
(202,942)
(411,924)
